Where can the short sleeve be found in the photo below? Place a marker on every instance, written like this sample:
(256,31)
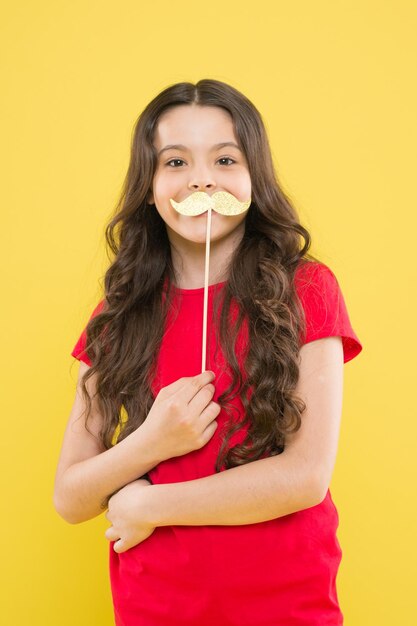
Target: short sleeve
(325,308)
(79,349)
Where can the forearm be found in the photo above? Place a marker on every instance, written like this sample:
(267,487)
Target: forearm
(255,492)
(84,488)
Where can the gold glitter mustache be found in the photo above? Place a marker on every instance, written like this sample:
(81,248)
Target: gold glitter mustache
(221,201)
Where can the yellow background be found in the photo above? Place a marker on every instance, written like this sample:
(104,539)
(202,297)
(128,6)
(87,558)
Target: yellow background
(335,84)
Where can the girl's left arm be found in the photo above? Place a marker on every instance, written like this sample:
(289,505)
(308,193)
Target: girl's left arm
(264,489)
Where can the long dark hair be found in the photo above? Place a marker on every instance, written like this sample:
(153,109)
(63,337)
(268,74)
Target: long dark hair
(123,339)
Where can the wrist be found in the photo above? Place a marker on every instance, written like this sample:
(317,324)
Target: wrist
(151,453)
(156,505)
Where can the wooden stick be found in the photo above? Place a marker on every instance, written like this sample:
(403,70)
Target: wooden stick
(206,275)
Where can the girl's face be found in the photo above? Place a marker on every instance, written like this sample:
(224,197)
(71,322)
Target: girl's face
(198,163)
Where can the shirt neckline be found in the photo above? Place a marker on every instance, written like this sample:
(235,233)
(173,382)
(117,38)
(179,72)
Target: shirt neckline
(196,291)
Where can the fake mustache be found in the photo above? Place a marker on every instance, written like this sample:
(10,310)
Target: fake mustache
(221,202)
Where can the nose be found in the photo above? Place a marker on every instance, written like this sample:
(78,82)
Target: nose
(202,181)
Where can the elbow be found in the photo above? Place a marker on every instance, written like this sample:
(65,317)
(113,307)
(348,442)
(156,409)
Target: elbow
(65,511)
(68,503)
(62,512)
(314,487)
(318,487)
(65,507)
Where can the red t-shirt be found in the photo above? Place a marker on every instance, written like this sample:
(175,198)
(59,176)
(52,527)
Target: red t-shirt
(280,572)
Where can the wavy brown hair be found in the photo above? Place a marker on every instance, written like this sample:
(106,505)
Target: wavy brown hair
(124,337)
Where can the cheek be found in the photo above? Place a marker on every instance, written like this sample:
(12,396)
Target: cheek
(248,191)
(238,219)
(163,186)
(243,186)
(228,223)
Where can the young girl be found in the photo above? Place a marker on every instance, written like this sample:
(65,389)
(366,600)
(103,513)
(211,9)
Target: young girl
(216,483)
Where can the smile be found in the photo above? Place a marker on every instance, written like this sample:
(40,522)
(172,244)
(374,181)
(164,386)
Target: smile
(200,202)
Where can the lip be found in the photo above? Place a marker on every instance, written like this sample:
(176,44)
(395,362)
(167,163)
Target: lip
(213,212)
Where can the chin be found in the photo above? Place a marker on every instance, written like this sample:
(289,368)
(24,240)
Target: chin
(199,236)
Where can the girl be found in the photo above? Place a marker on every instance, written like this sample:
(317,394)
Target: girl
(216,483)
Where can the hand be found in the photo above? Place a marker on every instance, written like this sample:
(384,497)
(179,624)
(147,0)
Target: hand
(126,513)
(182,417)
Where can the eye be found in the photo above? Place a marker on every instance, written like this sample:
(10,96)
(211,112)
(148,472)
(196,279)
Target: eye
(227,159)
(181,161)
(173,160)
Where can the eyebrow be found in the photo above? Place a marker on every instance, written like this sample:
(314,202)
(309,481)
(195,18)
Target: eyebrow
(179,146)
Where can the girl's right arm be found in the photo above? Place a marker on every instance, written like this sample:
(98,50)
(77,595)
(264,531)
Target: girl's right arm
(87,473)
(181,419)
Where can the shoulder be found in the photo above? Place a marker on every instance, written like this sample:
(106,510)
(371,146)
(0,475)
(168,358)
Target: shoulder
(98,309)
(312,274)
(78,350)
(324,306)
(317,286)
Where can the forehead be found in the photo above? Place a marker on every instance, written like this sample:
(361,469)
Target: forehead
(194,125)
